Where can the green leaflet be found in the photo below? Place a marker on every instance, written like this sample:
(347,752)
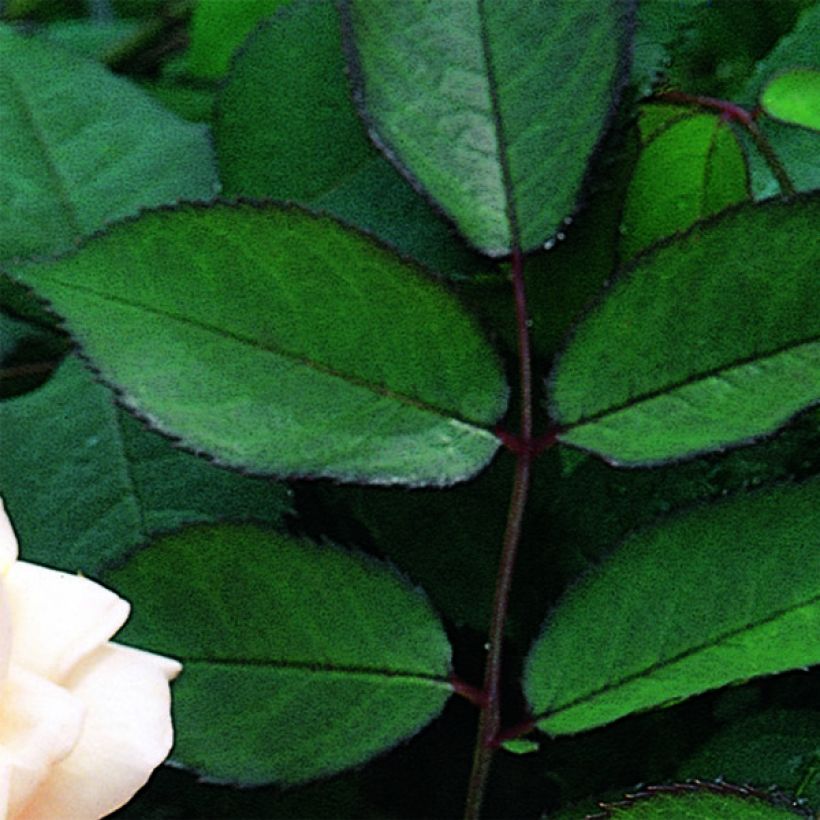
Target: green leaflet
(282,342)
(492,108)
(92,38)
(700,801)
(59,440)
(794,97)
(271,144)
(219,28)
(300,660)
(714,596)
(690,168)
(706,341)
(796,148)
(770,746)
(80,147)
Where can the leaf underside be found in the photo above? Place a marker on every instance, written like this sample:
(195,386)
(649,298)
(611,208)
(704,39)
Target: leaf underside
(281,342)
(299,660)
(702,600)
(493,109)
(709,340)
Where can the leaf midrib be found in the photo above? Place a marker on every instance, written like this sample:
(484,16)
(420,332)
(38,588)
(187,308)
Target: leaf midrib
(692,380)
(648,671)
(70,212)
(306,361)
(320,668)
(502,145)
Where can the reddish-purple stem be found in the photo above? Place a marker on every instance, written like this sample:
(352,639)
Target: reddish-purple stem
(517,730)
(535,446)
(731,112)
(490,719)
(468,691)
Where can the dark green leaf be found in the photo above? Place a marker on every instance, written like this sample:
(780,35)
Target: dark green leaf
(797,148)
(661,27)
(28,355)
(704,599)
(492,108)
(300,660)
(80,147)
(58,441)
(707,341)
(283,342)
(700,801)
(689,169)
(219,28)
(92,38)
(778,747)
(271,144)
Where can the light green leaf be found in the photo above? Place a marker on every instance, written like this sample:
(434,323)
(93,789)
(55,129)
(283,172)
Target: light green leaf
(709,340)
(283,342)
(689,169)
(80,147)
(520,746)
(492,108)
(58,441)
(794,97)
(713,596)
(218,29)
(796,148)
(700,801)
(271,145)
(299,660)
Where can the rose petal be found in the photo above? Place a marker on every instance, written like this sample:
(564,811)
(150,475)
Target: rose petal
(5,784)
(40,724)
(126,735)
(5,633)
(57,618)
(8,541)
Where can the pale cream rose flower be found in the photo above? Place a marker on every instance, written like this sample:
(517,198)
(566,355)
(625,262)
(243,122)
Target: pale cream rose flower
(83,722)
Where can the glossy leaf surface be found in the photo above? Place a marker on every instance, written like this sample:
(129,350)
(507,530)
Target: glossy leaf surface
(65,518)
(269,144)
(492,108)
(707,341)
(80,147)
(300,660)
(690,168)
(703,599)
(284,343)
(794,97)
